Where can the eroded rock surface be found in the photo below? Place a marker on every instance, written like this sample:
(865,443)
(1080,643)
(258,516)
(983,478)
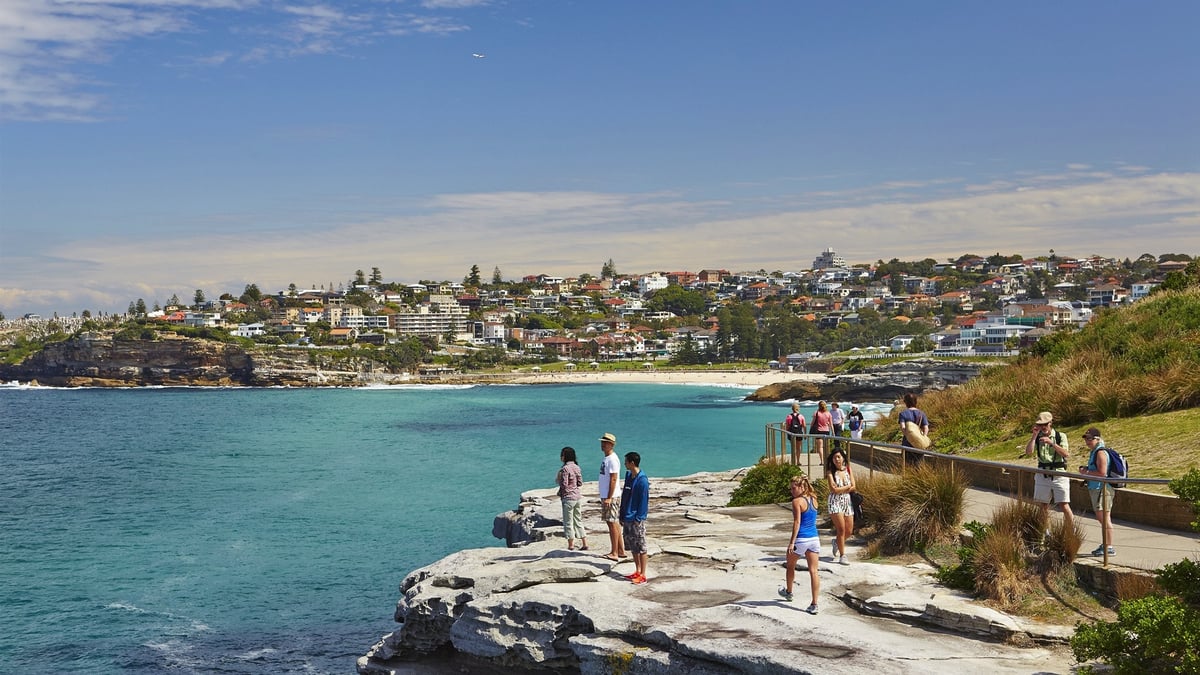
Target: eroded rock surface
(710,607)
(876,383)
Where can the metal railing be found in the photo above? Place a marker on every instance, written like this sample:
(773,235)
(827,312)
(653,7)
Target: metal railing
(1012,480)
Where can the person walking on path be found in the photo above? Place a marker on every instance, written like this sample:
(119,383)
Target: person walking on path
(854,422)
(635,505)
(805,541)
(822,423)
(841,511)
(794,424)
(1052,451)
(609,508)
(912,413)
(1102,493)
(837,418)
(570,479)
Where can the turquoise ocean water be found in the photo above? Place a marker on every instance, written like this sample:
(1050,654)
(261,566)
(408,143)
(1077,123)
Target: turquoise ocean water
(267,530)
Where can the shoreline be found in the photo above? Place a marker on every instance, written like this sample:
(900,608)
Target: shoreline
(740,378)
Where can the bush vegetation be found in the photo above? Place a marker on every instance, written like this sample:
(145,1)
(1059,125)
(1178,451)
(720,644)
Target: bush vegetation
(765,484)
(1158,633)
(769,483)
(1127,362)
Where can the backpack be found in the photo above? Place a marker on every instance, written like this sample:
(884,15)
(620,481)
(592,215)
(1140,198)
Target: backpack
(1118,466)
(795,423)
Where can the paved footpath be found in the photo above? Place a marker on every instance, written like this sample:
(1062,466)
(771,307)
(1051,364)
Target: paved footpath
(1140,546)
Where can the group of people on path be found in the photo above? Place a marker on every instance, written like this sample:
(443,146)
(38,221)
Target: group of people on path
(624,519)
(1052,450)
(828,420)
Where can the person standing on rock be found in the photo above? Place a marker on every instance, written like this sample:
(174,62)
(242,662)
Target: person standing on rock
(570,479)
(841,511)
(1052,450)
(609,508)
(805,541)
(635,506)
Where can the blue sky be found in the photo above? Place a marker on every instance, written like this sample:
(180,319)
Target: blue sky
(153,147)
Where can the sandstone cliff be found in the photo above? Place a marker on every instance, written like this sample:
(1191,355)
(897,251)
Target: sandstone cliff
(710,605)
(99,360)
(876,383)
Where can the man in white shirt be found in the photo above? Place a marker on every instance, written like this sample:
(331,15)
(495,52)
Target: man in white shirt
(609,507)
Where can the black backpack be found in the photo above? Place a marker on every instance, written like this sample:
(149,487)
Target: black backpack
(795,423)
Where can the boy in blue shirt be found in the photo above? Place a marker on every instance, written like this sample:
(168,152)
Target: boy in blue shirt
(635,503)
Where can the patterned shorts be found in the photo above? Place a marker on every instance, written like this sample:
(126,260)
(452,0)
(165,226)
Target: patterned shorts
(634,534)
(611,512)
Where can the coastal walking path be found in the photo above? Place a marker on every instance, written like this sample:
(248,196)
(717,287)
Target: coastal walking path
(1139,546)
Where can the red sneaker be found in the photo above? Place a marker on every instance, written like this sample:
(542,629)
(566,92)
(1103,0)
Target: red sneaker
(639,579)
(632,576)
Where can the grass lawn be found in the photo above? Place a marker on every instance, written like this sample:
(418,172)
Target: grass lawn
(1165,445)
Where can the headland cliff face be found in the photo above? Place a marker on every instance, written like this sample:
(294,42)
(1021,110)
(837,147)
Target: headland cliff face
(99,360)
(876,383)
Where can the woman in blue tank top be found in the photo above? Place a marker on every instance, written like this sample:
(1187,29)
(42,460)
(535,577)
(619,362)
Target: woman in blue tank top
(804,540)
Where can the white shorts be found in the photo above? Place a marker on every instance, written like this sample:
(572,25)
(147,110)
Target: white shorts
(802,546)
(1045,488)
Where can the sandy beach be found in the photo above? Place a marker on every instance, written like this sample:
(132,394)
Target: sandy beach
(743,378)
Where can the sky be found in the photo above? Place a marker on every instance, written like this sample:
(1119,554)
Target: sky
(150,148)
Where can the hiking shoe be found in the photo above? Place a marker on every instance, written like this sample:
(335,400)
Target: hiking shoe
(783,593)
(1100,551)
(811,609)
(843,560)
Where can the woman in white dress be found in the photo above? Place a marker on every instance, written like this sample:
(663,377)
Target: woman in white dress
(841,484)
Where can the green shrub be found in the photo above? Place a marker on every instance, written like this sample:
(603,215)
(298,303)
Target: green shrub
(1155,634)
(1187,487)
(765,484)
(1150,635)
(962,575)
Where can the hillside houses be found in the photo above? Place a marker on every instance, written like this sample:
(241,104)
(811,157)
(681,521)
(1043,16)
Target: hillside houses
(971,303)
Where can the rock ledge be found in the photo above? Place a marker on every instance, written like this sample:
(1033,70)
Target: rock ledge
(710,606)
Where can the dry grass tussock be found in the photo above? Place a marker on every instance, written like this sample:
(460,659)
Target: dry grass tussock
(912,510)
(1000,567)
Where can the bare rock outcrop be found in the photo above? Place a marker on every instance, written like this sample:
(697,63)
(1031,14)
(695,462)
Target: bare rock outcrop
(710,605)
(104,360)
(875,383)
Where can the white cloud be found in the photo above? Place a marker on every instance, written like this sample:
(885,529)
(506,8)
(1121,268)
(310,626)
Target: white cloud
(574,232)
(44,43)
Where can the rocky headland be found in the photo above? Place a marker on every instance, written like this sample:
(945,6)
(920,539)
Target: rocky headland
(884,382)
(710,606)
(102,360)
